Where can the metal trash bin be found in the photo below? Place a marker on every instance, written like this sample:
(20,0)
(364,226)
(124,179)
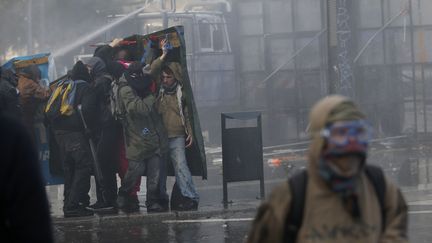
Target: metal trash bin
(242,151)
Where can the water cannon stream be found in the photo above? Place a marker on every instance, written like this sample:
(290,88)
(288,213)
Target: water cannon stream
(65,49)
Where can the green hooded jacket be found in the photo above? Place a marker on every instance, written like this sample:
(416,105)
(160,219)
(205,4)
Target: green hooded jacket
(144,132)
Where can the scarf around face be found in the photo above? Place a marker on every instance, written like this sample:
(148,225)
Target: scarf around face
(345,187)
(170,90)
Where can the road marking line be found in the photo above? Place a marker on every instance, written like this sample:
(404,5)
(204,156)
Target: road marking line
(420,212)
(206,220)
(241,184)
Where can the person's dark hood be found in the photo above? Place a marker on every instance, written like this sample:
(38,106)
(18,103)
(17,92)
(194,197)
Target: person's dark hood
(9,76)
(80,72)
(115,69)
(136,78)
(32,72)
(98,67)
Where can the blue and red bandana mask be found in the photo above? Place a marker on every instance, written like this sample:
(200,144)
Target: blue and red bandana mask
(346,138)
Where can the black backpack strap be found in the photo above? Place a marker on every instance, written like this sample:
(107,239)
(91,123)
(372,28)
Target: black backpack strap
(294,220)
(108,76)
(376,177)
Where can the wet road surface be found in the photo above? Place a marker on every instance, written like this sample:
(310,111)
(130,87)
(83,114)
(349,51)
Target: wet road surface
(199,230)
(408,164)
(208,229)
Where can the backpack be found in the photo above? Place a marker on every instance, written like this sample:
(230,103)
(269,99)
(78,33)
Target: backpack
(62,100)
(117,109)
(298,184)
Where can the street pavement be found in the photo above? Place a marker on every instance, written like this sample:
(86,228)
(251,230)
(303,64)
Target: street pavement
(407,164)
(225,227)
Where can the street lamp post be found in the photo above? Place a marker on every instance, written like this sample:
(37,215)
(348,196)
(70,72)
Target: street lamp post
(341,45)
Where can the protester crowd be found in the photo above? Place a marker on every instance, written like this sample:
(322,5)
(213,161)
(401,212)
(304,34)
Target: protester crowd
(111,114)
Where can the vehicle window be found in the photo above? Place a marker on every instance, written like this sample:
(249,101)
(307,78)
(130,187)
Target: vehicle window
(205,35)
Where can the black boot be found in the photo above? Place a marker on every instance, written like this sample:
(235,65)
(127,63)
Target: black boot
(127,203)
(103,207)
(187,204)
(77,212)
(155,208)
(133,205)
(165,205)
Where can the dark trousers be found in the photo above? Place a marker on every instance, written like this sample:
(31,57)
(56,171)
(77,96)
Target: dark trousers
(136,169)
(108,158)
(77,164)
(164,198)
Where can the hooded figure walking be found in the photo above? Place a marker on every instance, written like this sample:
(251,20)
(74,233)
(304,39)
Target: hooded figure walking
(342,201)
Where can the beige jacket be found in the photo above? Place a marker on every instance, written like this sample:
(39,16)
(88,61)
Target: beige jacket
(325,218)
(173,108)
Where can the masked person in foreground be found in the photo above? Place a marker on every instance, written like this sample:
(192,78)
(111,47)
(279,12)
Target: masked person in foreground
(339,198)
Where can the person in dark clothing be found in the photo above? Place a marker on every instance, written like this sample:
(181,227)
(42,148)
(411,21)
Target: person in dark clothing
(24,209)
(74,146)
(108,135)
(107,52)
(115,69)
(112,52)
(9,95)
(117,61)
